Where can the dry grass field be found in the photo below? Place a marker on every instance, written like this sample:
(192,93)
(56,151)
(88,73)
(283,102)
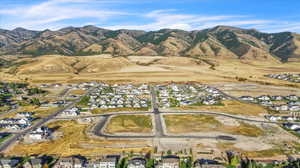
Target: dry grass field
(206,123)
(74,141)
(40,113)
(54,69)
(252,89)
(129,124)
(267,153)
(77,92)
(156,69)
(231,107)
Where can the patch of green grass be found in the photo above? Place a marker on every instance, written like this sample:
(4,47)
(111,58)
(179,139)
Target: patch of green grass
(182,119)
(139,120)
(84,101)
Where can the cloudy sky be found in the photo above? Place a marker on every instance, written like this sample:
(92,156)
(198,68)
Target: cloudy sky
(264,15)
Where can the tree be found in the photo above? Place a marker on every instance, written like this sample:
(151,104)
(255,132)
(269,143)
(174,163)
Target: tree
(150,163)
(35,101)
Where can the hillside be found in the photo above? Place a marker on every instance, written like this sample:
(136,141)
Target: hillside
(217,42)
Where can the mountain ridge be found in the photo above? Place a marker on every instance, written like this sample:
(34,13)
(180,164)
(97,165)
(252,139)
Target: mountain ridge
(219,41)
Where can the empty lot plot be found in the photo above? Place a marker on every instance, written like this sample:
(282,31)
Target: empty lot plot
(126,109)
(129,124)
(72,139)
(232,107)
(251,89)
(191,123)
(77,92)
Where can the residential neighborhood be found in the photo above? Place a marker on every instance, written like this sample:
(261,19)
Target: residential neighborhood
(290,103)
(120,96)
(21,121)
(177,95)
(286,77)
(136,161)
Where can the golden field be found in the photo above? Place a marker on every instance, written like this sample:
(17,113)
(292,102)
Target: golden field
(149,69)
(129,124)
(231,107)
(74,141)
(206,123)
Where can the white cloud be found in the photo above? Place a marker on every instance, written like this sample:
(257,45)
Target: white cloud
(168,19)
(53,11)
(55,14)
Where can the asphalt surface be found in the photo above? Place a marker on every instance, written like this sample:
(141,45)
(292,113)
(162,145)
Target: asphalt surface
(17,136)
(159,130)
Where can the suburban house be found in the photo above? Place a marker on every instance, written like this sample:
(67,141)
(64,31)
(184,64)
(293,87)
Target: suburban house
(34,163)
(8,163)
(137,163)
(40,133)
(69,162)
(169,162)
(107,162)
(205,163)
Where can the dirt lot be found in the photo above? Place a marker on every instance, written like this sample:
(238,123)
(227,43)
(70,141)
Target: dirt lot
(207,123)
(252,139)
(129,124)
(251,89)
(73,140)
(231,107)
(77,92)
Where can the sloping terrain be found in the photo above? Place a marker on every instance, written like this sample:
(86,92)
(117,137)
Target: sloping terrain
(67,64)
(217,42)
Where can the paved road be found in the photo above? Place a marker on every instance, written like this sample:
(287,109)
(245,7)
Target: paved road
(64,92)
(159,131)
(173,112)
(17,136)
(10,111)
(97,130)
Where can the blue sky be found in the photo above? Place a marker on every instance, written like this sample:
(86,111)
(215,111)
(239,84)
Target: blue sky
(264,15)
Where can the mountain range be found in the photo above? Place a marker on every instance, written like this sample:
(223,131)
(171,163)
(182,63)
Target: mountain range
(220,41)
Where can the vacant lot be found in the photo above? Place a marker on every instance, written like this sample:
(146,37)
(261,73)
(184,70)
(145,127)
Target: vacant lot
(40,112)
(185,123)
(130,124)
(101,111)
(73,140)
(251,89)
(232,107)
(77,92)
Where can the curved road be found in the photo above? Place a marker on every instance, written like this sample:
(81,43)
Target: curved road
(17,136)
(159,130)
